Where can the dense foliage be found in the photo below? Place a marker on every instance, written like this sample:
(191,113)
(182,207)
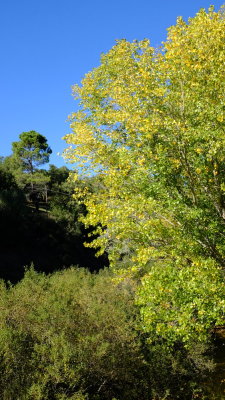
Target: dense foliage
(73,335)
(149,192)
(39,222)
(151,125)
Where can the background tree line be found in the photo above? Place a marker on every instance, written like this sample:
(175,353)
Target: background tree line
(39,217)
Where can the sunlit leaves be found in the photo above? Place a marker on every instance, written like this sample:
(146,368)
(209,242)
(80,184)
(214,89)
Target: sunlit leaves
(151,124)
(182,302)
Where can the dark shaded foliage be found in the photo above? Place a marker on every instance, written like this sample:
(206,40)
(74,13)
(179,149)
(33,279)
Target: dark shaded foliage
(30,237)
(49,241)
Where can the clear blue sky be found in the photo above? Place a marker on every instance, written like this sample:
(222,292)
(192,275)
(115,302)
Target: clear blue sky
(47,46)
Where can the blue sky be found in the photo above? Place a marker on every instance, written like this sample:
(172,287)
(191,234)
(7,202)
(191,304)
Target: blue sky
(47,46)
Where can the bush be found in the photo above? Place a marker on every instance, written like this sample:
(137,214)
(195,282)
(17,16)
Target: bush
(69,334)
(73,335)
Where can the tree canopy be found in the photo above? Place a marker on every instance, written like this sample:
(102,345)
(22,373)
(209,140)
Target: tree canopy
(151,125)
(32,150)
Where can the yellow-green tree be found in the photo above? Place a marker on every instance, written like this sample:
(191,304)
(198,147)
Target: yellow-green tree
(151,125)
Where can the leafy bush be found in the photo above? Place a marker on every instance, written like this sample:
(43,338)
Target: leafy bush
(66,335)
(74,335)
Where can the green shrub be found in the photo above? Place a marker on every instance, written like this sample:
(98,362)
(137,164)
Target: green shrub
(74,335)
(66,335)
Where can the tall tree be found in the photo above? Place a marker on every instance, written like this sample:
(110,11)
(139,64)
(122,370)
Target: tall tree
(151,124)
(32,149)
(29,152)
